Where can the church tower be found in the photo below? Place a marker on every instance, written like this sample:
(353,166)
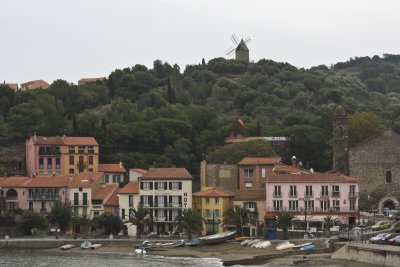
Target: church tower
(340,141)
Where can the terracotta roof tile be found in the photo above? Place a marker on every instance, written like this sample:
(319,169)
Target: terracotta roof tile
(80,141)
(85,179)
(139,170)
(49,181)
(114,167)
(167,174)
(263,161)
(130,188)
(214,192)
(250,195)
(15,181)
(67,140)
(104,192)
(114,199)
(311,177)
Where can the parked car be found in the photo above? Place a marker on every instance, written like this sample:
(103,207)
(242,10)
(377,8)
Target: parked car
(393,240)
(381,225)
(385,239)
(375,239)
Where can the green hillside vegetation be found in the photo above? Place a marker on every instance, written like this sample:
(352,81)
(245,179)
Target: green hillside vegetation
(167,117)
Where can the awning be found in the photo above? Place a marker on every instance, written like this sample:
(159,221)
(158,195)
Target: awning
(313,218)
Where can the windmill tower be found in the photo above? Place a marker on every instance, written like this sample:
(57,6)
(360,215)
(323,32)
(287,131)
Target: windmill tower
(240,48)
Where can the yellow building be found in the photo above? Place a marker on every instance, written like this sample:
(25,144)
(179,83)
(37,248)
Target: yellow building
(81,155)
(212,203)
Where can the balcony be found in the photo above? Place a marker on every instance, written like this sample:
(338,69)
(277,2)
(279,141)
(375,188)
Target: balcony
(308,194)
(277,194)
(81,164)
(335,194)
(80,203)
(90,151)
(353,194)
(160,219)
(293,195)
(43,197)
(324,196)
(251,209)
(81,151)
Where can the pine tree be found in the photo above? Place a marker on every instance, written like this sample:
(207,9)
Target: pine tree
(171,93)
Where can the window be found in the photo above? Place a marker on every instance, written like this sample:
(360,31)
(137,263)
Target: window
(248,184)
(336,205)
(147,185)
(85,201)
(277,191)
(161,186)
(90,160)
(106,178)
(43,206)
(84,211)
(293,191)
(248,173)
(352,203)
(324,190)
(41,163)
(250,205)
(325,205)
(293,204)
(263,172)
(278,204)
(208,213)
(388,176)
(216,200)
(71,171)
(176,185)
(130,200)
(76,211)
(352,190)
(76,199)
(96,213)
(90,170)
(30,205)
(309,205)
(115,178)
(335,191)
(71,160)
(58,163)
(309,192)
(49,163)
(207,200)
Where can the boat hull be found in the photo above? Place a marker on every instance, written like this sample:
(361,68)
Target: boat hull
(217,238)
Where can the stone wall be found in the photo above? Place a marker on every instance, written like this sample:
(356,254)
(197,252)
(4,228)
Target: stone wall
(224,176)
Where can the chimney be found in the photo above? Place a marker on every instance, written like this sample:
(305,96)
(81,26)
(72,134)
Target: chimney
(54,173)
(120,164)
(34,135)
(71,178)
(294,162)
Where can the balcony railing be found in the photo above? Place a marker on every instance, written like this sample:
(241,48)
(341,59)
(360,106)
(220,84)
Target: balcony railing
(308,194)
(353,194)
(251,209)
(43,197)
(277,194)
(316,210)
(90,151)
(335,194)
(162,205)
(293,195)
(80,203)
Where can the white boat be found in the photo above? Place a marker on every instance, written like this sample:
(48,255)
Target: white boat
(217,238)
(140,251)
(66,247)
(303,245)
(244,243)
(253,242)
(256,245)
(86,245)
(285,245)
(265,244)
(95,246)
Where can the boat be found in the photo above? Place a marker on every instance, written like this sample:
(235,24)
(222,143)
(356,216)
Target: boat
(244,243)
(66,247)
(86,245)
(243,238)
(146,245)
(253,242)
(140,251)
(308,247)
(256,245)
(285,245)
(192,243)
(96,246)
(217,238)
(303,245)
(179,243)
(263,244)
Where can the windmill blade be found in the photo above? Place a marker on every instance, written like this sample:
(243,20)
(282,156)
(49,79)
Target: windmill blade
(247,40)
(230,49)
(234,40)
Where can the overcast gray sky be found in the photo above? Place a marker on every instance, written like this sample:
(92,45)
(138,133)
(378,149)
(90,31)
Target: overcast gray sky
(71,39)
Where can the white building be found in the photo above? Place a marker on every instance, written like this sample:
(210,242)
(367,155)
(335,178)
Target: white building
(128,200)
(135,173)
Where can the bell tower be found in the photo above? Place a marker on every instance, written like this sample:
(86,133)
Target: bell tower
(340,141)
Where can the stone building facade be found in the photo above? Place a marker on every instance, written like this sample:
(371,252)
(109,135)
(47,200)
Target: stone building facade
(224,176)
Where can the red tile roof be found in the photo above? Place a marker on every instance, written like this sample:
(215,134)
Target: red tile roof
(67,140)
(167,174)
(114,167)
(250,195)
(130,188)
(114,199)
(104,192)
(261,161)
(86,179)
(311,177)
(139,170)
(49,181)
(13,181)
(214,192)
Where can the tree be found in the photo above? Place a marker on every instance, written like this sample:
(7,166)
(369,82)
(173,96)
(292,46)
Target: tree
(61,214)
(30,219)
(85,222)
(189,220)
(171,93)
(110,223)
(363,125)
(329,221)
(139,217)
(238,217)
(284,221)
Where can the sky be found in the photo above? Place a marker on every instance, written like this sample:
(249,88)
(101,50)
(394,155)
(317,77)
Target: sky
(73,39)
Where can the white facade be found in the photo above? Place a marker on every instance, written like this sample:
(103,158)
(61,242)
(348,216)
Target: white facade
(128,201)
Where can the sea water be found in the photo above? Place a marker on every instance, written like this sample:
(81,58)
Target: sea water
(37,258)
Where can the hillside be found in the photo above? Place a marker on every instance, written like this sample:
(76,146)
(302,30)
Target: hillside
(164,117)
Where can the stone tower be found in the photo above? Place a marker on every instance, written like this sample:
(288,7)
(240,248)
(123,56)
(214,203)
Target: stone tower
(340,141)
(242,52)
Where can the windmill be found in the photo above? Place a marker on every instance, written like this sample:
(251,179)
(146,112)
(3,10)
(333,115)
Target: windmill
(240,48)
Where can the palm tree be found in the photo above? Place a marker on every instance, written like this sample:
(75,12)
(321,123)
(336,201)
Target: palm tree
(238,217)
(329,221)
(284,220)
(139,217)
(189,220)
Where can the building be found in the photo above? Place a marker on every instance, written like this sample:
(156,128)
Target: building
(112,204)
(135,173)
(113,173)
(90,80)
(13,193)
(100,198)
(242,52)
(224,176)
(212,204)
(253,172)
(36,84)
(128,200)
(340,141)
(165,191)
(61,155)
(13,86)
(311,197)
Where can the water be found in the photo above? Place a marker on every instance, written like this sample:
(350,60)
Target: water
(38,258)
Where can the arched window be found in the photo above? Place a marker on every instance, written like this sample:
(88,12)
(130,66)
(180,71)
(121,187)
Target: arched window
(11,193)
(388,176)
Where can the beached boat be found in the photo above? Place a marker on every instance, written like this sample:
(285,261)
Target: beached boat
(96,246)
(66,247)
(253,242)
(256,245)
(192,243)
(309,247)
(244,243)
(179,243)
(303,245)
(140,251)
(262,244)
(217,238)
(86,245)
(146,245)
(285,245)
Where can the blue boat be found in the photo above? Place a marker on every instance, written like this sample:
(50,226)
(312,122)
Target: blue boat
(86,245)
(192,243)
(309,247)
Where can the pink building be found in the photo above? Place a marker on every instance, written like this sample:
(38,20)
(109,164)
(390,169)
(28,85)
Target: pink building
(13,193)
(311,197)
